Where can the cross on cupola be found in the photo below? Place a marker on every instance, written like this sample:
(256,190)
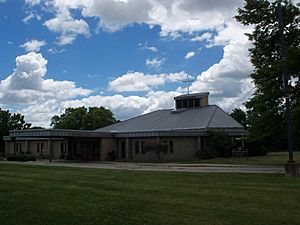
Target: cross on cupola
(188,81)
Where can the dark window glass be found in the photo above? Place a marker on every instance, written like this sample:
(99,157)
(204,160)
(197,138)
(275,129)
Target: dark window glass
(171,147)
(184,103)
(202,143)
(42,147)
(137,147)
(178,104)
(38,147)
(197,102)
(143,147)
(61,147)
(191,103)
(123,150)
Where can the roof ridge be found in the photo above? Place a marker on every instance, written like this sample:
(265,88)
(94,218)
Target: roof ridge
(212,116)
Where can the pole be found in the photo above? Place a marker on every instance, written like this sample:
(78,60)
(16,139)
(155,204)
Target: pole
(285,83)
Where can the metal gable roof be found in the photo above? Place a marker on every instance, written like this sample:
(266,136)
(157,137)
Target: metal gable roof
(170,120)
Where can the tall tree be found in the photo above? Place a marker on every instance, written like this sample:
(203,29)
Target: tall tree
(9,122)
(240,116)
(266,108)
(83,119)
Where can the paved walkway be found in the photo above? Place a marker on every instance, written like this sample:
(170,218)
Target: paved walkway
(172,167)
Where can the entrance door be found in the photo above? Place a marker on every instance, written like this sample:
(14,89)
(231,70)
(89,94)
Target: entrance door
(87,151)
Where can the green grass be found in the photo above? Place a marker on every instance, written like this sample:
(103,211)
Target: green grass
(272,158)
(41,195)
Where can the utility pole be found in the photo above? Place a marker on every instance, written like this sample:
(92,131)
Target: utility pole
(291,168)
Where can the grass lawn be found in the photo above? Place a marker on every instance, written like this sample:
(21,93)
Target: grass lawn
(41,195)
(272,158)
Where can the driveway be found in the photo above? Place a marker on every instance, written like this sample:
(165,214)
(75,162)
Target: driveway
(170,167)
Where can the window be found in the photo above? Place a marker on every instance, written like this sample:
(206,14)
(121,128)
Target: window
(197,102)
(171,147)
(18,147)
(62,150)
(137,147)
(178,104)
(143,147)
(166,150)
(184,103)
(39,147)
(42,147)
(191,103)
(202,143)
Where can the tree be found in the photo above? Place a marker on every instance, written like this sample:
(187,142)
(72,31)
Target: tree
(240,116)
(9,122)
(266,109)
(97,117)
(219,143)
(83,119)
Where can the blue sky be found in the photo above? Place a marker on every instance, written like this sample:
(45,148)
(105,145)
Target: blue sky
(127,55)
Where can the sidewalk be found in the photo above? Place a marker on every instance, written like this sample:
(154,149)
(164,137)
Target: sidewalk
(166,167)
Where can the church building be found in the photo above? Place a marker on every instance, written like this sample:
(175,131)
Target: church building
(183,130)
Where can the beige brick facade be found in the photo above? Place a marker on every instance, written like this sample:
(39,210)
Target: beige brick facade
(126,149)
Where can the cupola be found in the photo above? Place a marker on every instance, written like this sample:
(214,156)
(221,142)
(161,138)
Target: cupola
(190,101)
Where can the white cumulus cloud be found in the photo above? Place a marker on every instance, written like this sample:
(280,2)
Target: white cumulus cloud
(138,81)
(190,55)
(33,45)
(26,88)
(127,107)
(156,62)
(228,81)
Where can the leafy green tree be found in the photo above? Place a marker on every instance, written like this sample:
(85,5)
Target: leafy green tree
(219,143)
(83,119)
(240,116)
(71,119)
(97,117)
(266,108)
(9,122)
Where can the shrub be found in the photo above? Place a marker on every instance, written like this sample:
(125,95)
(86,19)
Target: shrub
(206,154)
(112,156)
(220,143)
(255,148)
(21,157)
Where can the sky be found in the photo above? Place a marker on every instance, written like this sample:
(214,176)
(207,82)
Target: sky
(131,56)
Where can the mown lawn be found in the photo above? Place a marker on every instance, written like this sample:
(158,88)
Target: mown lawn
(41,195)
(272,158)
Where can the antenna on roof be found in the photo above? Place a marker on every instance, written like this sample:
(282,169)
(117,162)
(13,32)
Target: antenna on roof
(188,81)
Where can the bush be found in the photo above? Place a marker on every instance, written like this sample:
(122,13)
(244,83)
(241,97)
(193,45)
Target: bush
(21,157)
(255,148)
(112,156)
(220,143)
(206,154)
